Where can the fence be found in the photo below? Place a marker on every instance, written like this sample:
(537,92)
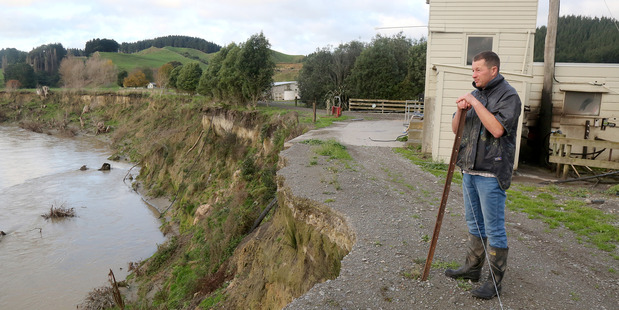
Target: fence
(562,153)
(383,106)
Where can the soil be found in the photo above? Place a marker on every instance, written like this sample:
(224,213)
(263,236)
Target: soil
(391,204)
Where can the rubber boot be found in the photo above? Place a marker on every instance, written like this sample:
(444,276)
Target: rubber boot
(474,261)
(497,259)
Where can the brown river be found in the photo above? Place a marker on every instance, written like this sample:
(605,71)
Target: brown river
(53,264)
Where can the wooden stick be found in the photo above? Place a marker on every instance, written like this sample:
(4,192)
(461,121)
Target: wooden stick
(441,209)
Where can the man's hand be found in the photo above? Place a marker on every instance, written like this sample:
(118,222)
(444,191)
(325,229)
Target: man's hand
(466,102)
(488,120)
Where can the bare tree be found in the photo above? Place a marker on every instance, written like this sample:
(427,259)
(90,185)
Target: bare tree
(99,71)
(96,71)
(72,72)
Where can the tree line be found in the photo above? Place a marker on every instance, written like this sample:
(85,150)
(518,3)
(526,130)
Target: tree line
(386,68)
(41,65)
(582,39)
(173,41)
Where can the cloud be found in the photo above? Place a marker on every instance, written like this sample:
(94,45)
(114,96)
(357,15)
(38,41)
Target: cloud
(292,27)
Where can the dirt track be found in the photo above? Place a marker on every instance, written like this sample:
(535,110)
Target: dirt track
(391,204)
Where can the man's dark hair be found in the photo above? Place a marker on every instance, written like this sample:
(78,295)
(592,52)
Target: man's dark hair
(491,58)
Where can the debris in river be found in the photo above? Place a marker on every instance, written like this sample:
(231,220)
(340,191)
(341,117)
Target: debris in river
(59,212)
(99,298)
(83,168)
(105,167)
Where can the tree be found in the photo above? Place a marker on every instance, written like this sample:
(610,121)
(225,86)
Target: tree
(256,67)
(188,77)
(72,73)
(344,58)
(315,80)
(325,72)
(229,80)
(163,75)
(415,80)
(174,41)
(13,85)
(120,77)
(11,56)
(381,68)
(101,45)
(174,76)
(99,71)
(208,85)
(45,60)
(21,72)
(46,57)
(581,39)
(135,79)
(94,72)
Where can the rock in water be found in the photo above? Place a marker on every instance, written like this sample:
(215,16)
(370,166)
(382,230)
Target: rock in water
(105,167)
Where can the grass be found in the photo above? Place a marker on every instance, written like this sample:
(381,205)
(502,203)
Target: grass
(284,58)
(151,58)
(426,163)
(329,148)
(322,121)
(589,224)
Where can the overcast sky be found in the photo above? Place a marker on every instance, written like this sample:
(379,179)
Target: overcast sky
(292,27)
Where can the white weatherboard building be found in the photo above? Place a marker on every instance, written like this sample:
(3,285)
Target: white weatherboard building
(459,29)
(285,90)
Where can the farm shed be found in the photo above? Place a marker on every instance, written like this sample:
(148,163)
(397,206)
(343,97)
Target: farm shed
(456,33)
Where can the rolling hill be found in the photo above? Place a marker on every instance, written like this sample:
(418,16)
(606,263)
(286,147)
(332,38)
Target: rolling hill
(287,69)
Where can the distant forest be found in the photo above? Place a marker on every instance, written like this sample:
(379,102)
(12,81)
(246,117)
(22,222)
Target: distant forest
(173,41)
(582,39)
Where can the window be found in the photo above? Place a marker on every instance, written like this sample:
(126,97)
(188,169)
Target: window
(582,103)
(476,45)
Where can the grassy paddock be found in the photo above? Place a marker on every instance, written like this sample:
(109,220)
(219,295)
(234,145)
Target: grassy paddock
(591,225)
(553,205)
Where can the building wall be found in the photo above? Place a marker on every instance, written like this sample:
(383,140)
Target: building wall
(285,91)
(512,26)
(596,78)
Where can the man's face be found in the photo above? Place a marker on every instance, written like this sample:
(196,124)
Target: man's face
(482,75)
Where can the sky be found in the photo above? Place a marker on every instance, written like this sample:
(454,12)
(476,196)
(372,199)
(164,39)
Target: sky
(292,27)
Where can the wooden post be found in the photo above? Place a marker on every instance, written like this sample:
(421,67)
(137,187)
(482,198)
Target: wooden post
(441,209)
(314,108)
(545,111)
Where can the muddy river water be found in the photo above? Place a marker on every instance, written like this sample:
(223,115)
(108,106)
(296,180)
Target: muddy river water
(53,264)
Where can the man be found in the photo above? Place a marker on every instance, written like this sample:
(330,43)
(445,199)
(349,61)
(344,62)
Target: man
(486,157)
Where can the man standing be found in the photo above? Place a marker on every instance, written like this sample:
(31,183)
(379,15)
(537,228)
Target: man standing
(486,157)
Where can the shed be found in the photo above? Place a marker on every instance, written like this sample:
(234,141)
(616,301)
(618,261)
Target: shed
(456,32)
(285,90)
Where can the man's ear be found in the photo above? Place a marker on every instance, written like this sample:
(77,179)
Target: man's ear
(495,70)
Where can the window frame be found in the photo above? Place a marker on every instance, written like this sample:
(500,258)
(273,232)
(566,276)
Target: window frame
(492,37)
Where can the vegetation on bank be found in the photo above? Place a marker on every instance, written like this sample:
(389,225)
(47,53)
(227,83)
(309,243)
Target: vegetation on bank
(219,179)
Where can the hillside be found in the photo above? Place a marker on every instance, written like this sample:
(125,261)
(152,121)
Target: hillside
(154,57)
(287,69)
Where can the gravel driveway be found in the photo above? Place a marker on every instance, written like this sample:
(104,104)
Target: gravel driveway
(391,204)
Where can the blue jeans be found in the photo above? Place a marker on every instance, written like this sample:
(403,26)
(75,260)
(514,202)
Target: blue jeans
(484,203)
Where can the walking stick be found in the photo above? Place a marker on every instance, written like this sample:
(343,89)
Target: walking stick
(441,209)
